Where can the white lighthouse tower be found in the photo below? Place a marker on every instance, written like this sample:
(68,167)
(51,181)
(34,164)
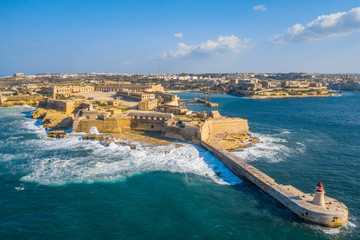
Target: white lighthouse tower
(319,198)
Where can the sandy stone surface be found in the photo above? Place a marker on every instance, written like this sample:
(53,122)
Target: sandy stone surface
(106,96)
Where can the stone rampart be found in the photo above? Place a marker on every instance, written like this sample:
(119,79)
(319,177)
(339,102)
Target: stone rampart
(66,106)
(219,127)
(108,125)
(124,123)
(149,121)
(184,132)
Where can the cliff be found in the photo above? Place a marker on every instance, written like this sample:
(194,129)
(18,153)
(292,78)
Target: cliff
(19,100)
(53,119)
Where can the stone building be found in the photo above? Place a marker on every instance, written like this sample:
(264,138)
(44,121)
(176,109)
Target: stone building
(174,109)
(130,87)
(148,105)
(18,75)
(149,121)
(295,84)
(137,96)
(271,84)
(67,90)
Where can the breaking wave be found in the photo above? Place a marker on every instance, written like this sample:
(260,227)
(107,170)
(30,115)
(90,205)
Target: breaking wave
(70,160)
(338,233)
(271,148)
(116,162)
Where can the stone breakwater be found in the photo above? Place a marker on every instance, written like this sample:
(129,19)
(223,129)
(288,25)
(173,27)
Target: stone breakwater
(333,214)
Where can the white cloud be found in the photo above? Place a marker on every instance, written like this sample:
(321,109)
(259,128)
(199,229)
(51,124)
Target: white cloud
(260,8)
(182,50)
(335,24)
(178,35)
(222,45)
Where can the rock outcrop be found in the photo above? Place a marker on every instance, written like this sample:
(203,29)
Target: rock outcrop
(53,119)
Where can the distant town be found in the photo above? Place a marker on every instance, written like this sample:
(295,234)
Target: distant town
(242,84)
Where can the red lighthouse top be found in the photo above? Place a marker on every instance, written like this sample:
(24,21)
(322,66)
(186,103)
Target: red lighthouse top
(319,187)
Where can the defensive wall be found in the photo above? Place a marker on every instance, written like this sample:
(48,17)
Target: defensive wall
(149,121)
(183,129)
(66,106)
(219,127)
(107,125)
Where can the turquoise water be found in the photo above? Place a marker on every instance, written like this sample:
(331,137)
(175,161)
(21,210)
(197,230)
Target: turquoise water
(73,189)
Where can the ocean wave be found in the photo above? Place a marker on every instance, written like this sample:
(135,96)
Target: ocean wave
(271,148)
(117,162)
(71,160)
(338,232)
(6,157)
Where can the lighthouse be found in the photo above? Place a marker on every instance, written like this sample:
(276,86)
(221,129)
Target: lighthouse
(319,198)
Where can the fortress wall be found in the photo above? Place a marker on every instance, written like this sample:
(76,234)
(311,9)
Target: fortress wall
(186,133)
(109,125)
(124,123)
(222,126)
(303,209)
(11,101)
(149,125)
(58,105)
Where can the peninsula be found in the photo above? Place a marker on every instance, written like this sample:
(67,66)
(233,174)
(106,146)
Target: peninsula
(106,112)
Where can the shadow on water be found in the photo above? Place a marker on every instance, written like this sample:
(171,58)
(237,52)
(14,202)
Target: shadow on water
(27,114)
(267,202)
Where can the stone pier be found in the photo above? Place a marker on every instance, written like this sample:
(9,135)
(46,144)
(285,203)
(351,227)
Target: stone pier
(333,214)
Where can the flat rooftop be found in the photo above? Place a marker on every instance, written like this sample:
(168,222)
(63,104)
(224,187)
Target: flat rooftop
(106,96)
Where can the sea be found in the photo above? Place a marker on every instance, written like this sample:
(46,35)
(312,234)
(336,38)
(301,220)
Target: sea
(74,189)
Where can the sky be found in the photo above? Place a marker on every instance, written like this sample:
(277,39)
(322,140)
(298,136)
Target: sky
(179,36)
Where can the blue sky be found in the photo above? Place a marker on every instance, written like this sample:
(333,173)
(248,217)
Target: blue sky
(196,36)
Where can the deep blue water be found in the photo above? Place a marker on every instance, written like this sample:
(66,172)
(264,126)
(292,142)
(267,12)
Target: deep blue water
(73,189)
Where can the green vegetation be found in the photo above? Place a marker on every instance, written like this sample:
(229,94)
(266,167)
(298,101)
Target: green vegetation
(102,105)
(124,109)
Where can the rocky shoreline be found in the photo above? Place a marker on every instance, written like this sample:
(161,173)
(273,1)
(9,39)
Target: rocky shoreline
(57,122)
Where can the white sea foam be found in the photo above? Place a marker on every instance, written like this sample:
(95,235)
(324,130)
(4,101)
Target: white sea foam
(21,188)
(272,148)
(346,229)
(117,162)
(6,157)
(94,130)
(93,162)
(332,231)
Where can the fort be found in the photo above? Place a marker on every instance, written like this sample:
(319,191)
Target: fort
(159,113)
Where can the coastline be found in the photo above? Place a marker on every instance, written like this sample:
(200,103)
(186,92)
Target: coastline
(290,96)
